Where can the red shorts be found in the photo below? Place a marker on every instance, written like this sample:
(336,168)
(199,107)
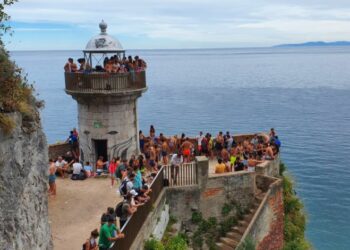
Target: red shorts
(186,152)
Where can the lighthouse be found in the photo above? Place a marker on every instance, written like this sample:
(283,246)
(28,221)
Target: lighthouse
(107,101)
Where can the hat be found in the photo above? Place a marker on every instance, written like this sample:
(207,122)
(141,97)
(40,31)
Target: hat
(133,193)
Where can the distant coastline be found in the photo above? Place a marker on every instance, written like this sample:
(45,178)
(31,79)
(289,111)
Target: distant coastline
(314,44)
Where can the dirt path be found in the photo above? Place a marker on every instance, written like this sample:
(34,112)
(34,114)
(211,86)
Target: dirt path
(77,209)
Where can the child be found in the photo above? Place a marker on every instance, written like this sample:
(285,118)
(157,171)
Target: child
(91,243)
(88,169)
(52,178)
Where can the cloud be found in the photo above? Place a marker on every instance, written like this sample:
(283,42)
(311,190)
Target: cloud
(219,23)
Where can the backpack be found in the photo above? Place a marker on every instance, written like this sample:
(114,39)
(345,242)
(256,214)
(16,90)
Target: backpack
(119,209)
(118,173)
(123,190)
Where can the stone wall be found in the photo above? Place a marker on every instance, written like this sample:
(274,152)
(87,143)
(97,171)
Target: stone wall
(58,149)
(269,168)
(222,188)
(266,227)
(23,189)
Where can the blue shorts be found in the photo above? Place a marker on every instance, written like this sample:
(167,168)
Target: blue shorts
(52,179)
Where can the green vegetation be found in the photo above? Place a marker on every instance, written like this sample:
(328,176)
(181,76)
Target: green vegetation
(248,244)
(15,92)
(169,241)
(295,219)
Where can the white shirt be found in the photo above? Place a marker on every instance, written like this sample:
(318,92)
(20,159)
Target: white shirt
(60,164)
(77,167)
(175,160)
(199,139)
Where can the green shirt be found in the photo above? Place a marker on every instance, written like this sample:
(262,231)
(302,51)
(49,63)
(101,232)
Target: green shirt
(105,233)
(112,229)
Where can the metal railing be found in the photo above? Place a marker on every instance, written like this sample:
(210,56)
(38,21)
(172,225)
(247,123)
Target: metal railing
(102,82)
(135,222)
(187,174)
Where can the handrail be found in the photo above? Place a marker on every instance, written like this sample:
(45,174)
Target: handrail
(103,82)
(135,222)
(187,174)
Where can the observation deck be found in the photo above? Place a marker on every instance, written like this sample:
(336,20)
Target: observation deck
(105,83)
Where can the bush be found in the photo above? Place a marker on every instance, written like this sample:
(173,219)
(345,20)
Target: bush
(294,217)
(177,242)
(153,244)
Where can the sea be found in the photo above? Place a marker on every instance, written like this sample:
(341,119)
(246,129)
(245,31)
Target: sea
(304,93)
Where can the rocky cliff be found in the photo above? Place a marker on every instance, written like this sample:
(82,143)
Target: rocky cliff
(23,187)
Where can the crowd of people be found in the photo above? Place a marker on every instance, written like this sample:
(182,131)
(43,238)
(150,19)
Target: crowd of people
(111,64)
(135,175)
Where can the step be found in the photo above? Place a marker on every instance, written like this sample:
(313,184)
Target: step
(249,217)
(228,241)
(239,230)
(234,236)
(243,223)
(222,246)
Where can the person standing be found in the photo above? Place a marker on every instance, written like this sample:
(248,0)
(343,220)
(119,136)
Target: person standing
(112,168)
(106,239)
(52,178)
(175,162)
(199,138)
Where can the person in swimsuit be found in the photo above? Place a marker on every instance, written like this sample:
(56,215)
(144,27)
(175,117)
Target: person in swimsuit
(269,152)
(152,131)
(164,152)
(219,144)
(100,165)
(112,167)
(252,164)
(186,148)
(52,178)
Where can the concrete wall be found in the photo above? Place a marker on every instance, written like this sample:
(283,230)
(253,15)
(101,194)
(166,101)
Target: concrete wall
(266,227)
(269,168)
(151,224)
(100,118)
(220,189)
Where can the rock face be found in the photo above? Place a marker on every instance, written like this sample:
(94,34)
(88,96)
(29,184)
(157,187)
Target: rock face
(23,188)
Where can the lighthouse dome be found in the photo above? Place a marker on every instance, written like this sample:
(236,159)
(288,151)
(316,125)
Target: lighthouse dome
(103,43)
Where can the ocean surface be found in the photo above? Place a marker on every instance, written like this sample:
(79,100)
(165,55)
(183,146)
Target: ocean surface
(304,93)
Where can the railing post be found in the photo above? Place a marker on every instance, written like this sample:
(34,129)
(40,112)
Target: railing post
(202,163)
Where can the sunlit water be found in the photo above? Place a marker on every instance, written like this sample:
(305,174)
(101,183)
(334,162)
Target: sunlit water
(303,93)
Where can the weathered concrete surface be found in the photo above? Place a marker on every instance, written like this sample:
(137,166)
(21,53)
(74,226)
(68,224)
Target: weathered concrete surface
(269,168)
(223,188)
(150,223)
(58,149)
(23,189)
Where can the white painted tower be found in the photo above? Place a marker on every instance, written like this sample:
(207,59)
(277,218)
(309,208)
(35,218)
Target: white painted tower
(107,102)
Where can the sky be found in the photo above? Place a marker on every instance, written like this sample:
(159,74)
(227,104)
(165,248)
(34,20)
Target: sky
(176,24)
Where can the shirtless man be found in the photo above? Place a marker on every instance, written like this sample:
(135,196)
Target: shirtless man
(52,178)
(186,148)
(269,152)
(70,66)
(164,152)
(252,164)
(219,145)
(152,157)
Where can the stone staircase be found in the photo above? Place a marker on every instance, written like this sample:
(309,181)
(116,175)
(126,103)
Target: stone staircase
(232,238)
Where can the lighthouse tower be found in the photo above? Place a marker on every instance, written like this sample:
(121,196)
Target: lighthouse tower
(107,102)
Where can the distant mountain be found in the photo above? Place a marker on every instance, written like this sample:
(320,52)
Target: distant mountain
(314,44)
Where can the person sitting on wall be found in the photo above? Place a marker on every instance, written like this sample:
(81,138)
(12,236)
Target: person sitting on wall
(73,141)
(269,155)
(252,163)
(61,166)
(91,243)
(106,238)
(220,167)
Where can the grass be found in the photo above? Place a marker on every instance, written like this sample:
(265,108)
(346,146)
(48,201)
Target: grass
(16,95)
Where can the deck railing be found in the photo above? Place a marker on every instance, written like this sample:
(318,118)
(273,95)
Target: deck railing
(135,222)
(102,82)
(187,174)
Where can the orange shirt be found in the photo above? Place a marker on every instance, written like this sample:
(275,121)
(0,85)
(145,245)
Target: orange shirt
(220,168)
